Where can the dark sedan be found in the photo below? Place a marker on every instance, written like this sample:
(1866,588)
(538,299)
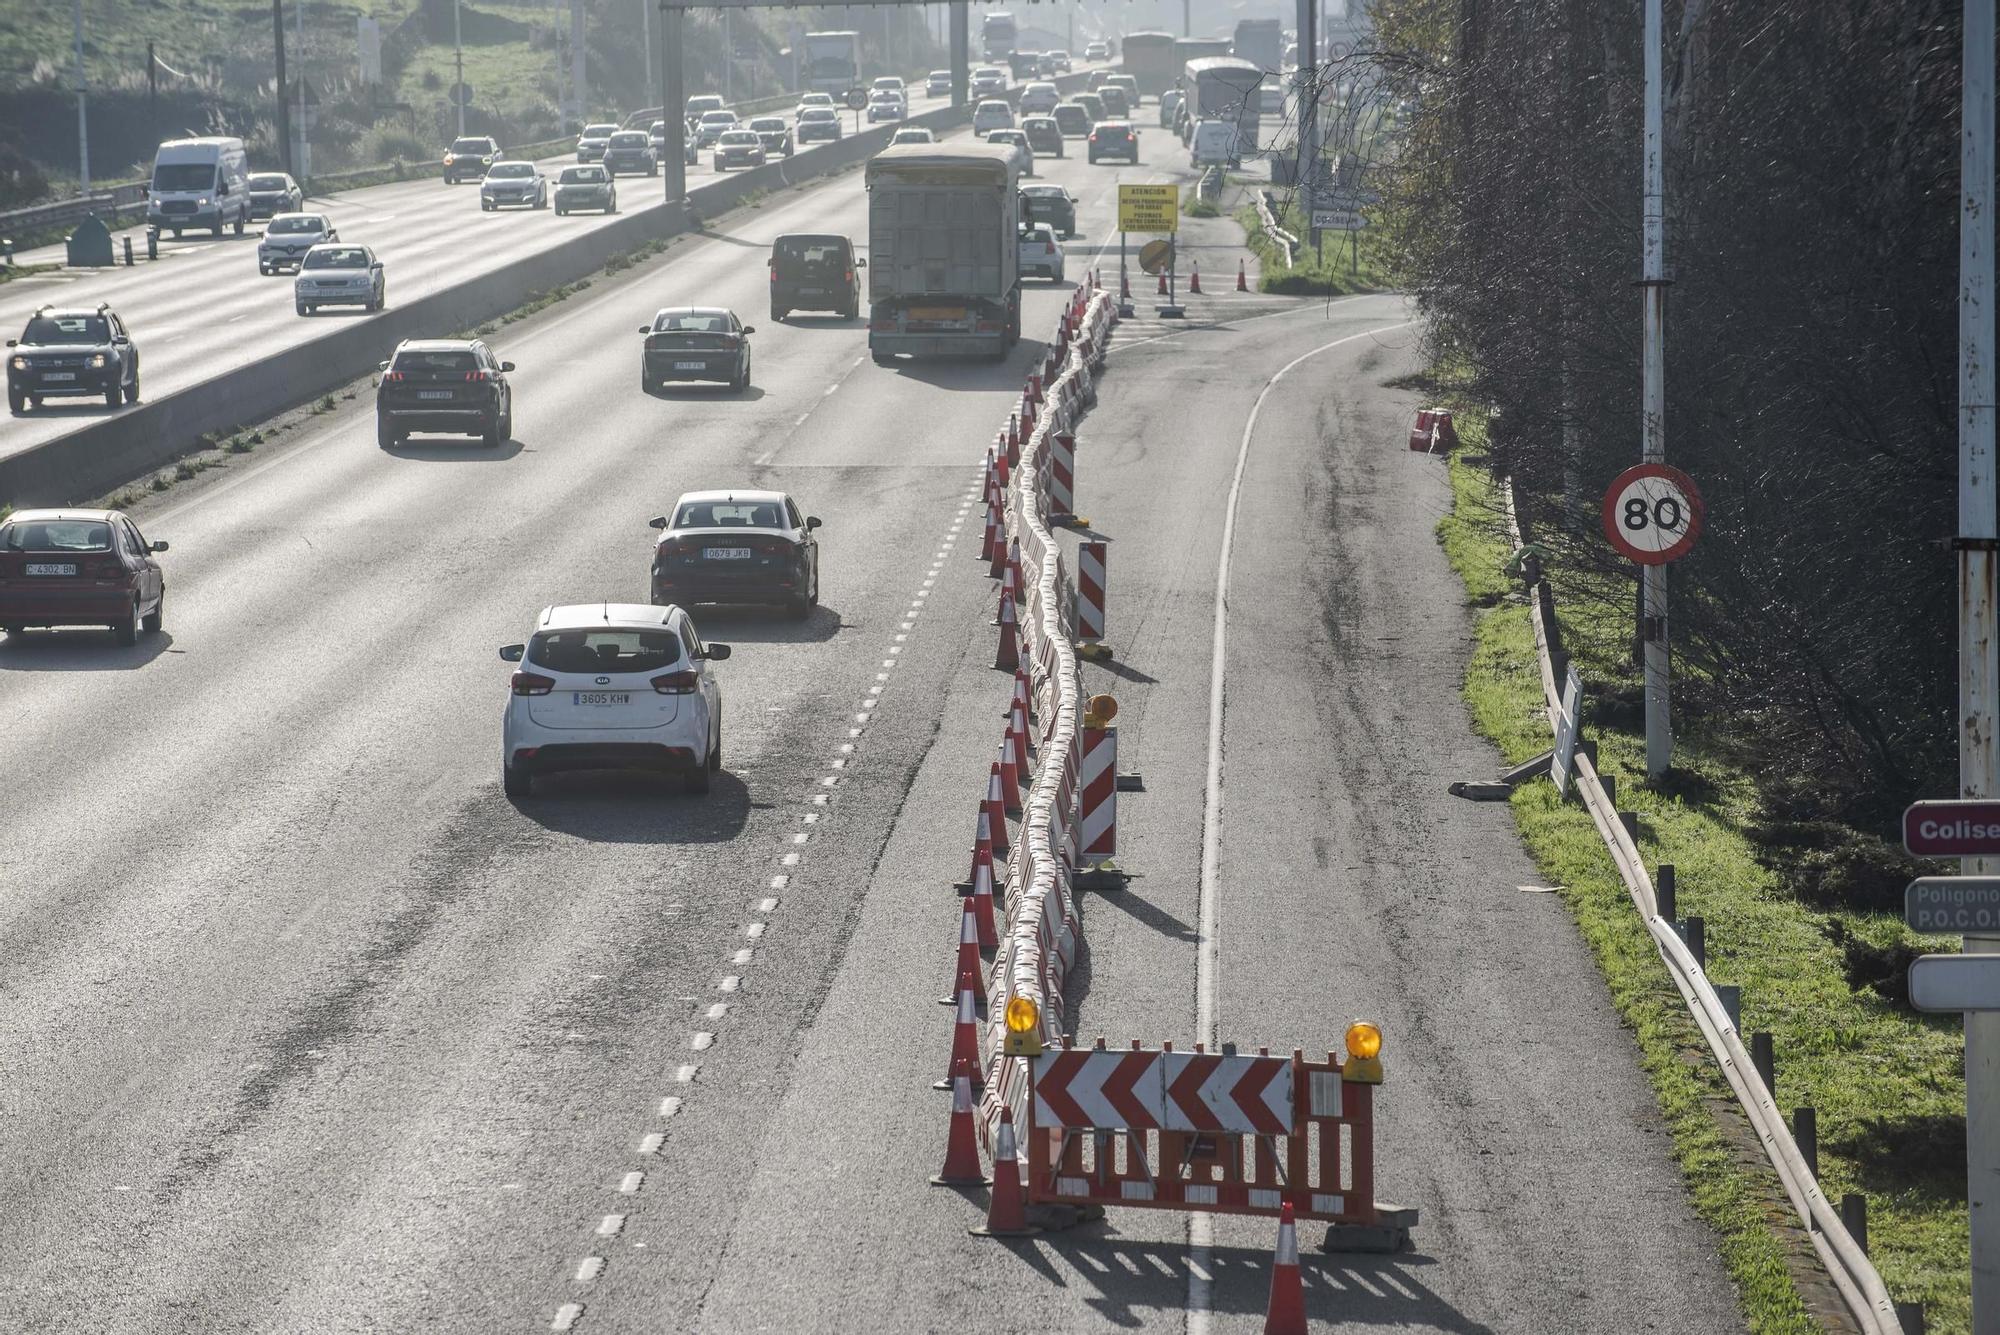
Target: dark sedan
(1049,204)
(79,568)
(695,343)
(737,547)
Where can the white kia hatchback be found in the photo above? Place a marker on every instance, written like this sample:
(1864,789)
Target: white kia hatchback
(612,686)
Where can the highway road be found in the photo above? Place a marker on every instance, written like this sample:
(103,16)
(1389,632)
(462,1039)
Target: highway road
(304,1026)
(202,307)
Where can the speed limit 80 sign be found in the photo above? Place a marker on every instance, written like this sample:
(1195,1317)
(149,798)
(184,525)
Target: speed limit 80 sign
(1652,514)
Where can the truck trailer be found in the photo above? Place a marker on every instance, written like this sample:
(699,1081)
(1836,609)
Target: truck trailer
(943,254)
(833,62)
(1149,58)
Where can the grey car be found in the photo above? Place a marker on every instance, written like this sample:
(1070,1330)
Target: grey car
(513,183)
(340,275)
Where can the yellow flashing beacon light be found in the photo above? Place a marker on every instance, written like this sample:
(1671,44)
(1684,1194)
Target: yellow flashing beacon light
(1024,1028)
(1364,1054)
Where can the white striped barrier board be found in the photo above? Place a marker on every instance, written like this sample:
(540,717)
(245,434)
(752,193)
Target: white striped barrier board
(1090,559)
(1201,1131)
(1099,834)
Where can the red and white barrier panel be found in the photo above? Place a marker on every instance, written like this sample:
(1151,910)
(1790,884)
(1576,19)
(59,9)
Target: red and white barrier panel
(1038,943)
(1098,822)
(1208,1132)
(1090,584)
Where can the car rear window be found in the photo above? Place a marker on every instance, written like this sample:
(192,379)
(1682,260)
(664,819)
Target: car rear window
(56,535)
(607,649)
(729,514)
(67,329)
(296,226)
(630,139)
(471,145)
(811,249)
(267,183)
(817,114)
(695,322)
(436,362)
(583,176)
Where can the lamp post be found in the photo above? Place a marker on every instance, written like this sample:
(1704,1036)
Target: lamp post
(458,69)
(82,109)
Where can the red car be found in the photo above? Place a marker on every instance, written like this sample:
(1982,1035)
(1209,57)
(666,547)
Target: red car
(79,568)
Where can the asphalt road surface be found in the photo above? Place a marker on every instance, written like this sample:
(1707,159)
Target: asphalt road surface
(203,308)
(305,1027)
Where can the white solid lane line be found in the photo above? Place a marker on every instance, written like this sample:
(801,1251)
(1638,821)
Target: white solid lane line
(1201,1232)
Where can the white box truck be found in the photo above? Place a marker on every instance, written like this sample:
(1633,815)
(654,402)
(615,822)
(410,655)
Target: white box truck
(199,183)
(943,251)
(833,62)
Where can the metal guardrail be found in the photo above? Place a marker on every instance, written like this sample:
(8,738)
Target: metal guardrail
(1853,1274)
(1279,236)
(102,202)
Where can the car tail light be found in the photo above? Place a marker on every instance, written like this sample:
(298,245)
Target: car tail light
(393,377)
(477,375)
(850,275)
(774,273)
(678,683)
(531,683)
(111,568)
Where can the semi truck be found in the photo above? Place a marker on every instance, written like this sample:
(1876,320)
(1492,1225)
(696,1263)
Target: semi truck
(997,34)
(833,62)
(943,251)
(1149,58)
(1261,42)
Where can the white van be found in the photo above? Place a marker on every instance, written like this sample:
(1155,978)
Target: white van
(199,183)
(1213,144)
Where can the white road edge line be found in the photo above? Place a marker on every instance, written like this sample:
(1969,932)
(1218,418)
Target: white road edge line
(1201,1231)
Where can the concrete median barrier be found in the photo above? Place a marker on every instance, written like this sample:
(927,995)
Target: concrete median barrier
(102,455)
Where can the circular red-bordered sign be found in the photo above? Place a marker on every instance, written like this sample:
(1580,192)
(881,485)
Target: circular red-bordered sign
(1652,514)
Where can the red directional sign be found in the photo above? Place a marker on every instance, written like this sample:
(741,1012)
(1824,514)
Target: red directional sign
(1952,829)
(1166,1091)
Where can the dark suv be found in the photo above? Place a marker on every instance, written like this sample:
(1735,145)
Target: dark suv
(453,386)
(815,273)
(467,159)
(72,352)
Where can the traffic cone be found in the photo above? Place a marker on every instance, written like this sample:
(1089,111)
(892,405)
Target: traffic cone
(982,851)
(1194,278)
(1163,282)
(966,975)
(1010,778)
(1033,392)
(1007,654)
(1242,280)
(961,1151)
(964,1045)
(1003,467)
(1007,1207)
(996,812)
(1286,1314)
(984,901)
(996,567)
(1013,584)
(990,548)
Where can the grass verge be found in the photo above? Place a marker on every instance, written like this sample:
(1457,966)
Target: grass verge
(1333,269)
(1888,1084)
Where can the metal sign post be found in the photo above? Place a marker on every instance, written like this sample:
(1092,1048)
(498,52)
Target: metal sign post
(1653,394)
(1978,647)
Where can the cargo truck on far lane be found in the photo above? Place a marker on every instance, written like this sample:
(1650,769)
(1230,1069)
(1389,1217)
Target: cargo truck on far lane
(943,256)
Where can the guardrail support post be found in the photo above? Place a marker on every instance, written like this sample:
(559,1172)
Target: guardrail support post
(1630,820)
(1854,1216)
(1610,785)
(1731,997)
(152,243)
(1695,932)
(1664,894)
(1911,1317)
(128,252)
(1765,1059)
(1805,1130)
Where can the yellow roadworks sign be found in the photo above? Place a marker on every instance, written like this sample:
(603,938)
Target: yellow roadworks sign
(1149,208)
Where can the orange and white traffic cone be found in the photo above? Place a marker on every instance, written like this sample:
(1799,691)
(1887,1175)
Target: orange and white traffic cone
(1163,282)
(1286,1312)
(1194,278)
(1024,696)
(996,812)
(1010,778)
(982,900)
(1242,279)
(1033,392)
(1007,1207)
(1007,654)
(961,1150)
(989,549)
(966,973)
(982,851)
(964,1045)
